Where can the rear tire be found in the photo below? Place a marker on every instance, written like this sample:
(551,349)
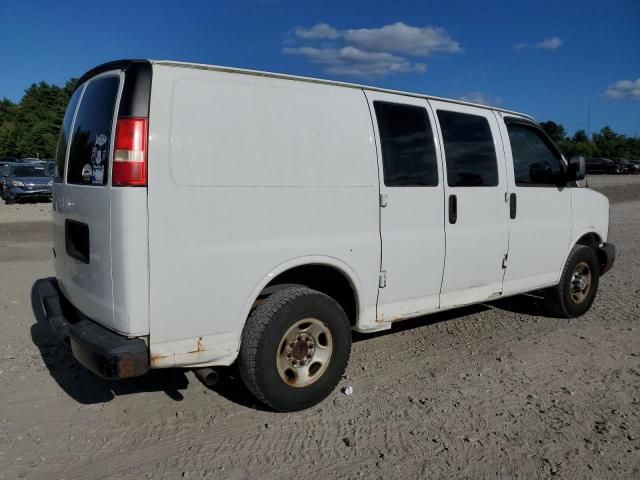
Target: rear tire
(576,291)
(295,348)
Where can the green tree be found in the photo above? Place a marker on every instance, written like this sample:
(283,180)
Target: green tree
(555,130)
(8,146)
(610,144)
(580,136)
(30,128)
(578,145)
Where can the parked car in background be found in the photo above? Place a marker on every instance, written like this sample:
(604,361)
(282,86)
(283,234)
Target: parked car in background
(4,171)
(602,165)
(48,164)
(8,160)
(627,166)
(27,181)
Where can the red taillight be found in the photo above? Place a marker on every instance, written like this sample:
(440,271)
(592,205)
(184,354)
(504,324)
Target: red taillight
(130,156)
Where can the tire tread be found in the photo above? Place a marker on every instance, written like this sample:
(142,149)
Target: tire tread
(254,330)
(555,298)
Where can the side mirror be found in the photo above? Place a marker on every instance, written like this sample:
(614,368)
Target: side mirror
(577,169)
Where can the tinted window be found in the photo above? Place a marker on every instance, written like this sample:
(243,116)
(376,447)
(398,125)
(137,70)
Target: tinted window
(406,141)
(469,150)
(534,161)
(29,171)
(89,152)
(63,138)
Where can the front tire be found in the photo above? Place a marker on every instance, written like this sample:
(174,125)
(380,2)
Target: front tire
(295,348)
(576,291)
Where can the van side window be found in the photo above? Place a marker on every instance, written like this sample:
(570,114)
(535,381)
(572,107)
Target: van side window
(406,142)
(535,163)
(91,142)
(469,150)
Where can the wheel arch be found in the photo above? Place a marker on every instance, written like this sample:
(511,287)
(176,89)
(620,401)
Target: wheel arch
(589,238)
(328,275)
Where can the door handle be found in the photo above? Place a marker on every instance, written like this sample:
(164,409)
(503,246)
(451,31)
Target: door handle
(513,206)
(453,209)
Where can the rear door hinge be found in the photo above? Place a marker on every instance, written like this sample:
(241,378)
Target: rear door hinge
(383,199)
(504,261)
(382,281)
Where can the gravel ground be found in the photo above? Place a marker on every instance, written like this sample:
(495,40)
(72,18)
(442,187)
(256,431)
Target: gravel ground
(619,188)
(500,391)
(601,181)
(24,212)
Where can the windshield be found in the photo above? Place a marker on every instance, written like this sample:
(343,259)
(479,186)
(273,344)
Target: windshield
(29,171)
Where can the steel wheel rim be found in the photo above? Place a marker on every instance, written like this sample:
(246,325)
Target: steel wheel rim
(304,352)
(580,282)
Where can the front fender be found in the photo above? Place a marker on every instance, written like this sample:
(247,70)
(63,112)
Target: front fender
(589,216)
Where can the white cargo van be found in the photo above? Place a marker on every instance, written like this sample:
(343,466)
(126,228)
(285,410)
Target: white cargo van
(207,215)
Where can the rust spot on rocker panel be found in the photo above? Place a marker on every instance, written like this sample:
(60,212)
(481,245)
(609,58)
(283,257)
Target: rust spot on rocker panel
(159,360)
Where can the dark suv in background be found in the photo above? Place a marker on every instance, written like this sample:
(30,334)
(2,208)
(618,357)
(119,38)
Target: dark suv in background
(603,165)
(627,166)
(26,181)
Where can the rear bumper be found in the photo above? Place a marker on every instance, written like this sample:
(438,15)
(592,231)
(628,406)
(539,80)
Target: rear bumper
(97,348)
(606,257)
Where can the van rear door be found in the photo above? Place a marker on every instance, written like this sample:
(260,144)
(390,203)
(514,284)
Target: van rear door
(100,206)
(83,214)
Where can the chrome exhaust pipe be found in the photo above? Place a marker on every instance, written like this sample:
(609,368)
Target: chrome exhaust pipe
(206,375)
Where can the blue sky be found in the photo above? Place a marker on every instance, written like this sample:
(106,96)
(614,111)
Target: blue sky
(551,59)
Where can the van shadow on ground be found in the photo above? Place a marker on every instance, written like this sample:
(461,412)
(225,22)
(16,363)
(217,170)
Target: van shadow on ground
(87,388)
(81,384)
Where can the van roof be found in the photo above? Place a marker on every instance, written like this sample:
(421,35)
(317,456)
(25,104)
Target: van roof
(244,71)
(124,64)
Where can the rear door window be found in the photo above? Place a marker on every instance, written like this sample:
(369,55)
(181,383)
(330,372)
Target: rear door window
(92,132)
(469,150)
(63,138)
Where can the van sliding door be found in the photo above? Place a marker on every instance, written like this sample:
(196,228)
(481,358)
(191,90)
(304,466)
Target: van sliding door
(411,206)
(476,211)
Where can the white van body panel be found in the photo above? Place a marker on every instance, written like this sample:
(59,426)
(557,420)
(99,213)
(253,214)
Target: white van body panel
(88,287)
(589,214)
(247,174)
(130,260)
(412,231)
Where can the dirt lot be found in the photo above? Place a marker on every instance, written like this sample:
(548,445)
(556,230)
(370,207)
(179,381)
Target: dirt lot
(500,390)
